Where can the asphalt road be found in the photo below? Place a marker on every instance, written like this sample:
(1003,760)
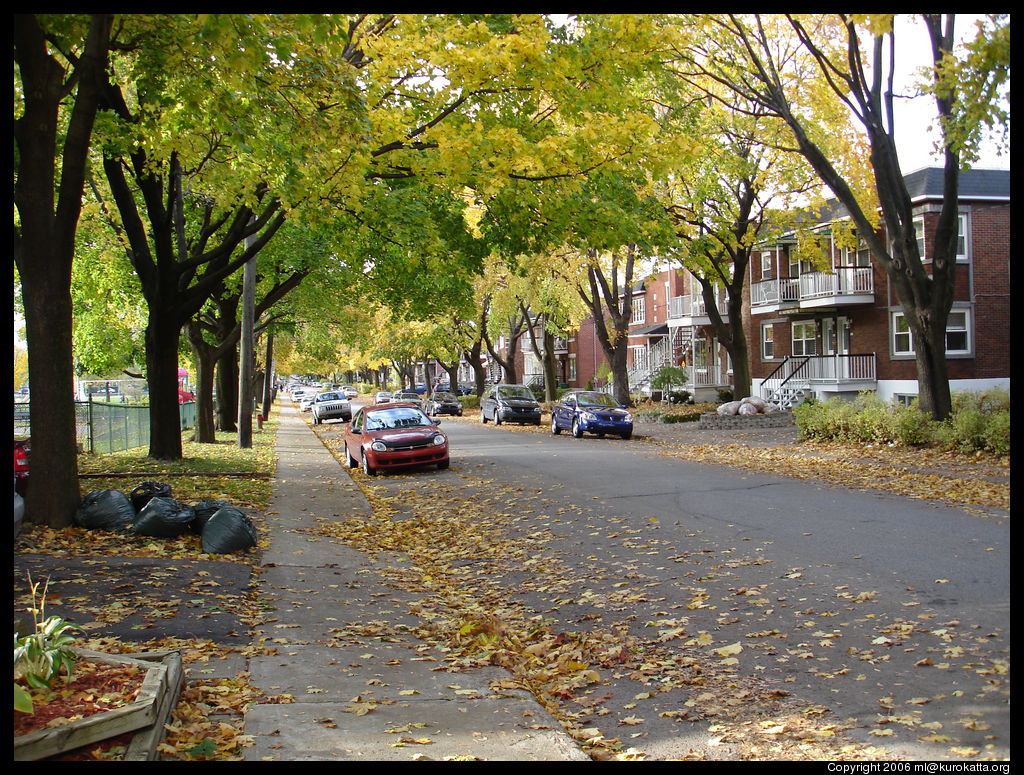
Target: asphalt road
(883,616)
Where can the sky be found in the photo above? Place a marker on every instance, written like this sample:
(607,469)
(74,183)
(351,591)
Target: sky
(915,137)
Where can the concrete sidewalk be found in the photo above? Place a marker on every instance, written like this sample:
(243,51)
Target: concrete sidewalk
(351,680)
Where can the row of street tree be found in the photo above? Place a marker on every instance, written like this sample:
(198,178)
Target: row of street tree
(421,184)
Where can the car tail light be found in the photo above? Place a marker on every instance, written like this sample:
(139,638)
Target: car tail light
(21,451)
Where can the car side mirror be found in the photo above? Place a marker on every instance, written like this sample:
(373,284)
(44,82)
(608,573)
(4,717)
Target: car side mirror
(437,421)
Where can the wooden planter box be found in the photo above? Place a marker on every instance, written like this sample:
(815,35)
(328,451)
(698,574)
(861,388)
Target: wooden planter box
(148,713)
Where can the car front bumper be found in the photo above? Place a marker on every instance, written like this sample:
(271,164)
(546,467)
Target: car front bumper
(401,458)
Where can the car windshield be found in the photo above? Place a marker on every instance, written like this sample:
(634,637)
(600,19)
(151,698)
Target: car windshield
(445,397)
(515,391)
(399,417)
(596,399)
(328,397)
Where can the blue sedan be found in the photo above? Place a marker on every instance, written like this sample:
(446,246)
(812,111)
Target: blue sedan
(591,412)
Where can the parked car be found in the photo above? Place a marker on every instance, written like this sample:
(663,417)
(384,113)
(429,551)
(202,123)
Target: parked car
(349,391)
(462,389)
(443,403)
(382,397)
(509,403)
(22,448)
(588,411)
(392,436)
(407,397)
(306,402)
(331,405)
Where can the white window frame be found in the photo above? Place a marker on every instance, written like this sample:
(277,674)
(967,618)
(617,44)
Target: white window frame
(766,265)
(961,239)
(767,341)
(802,325)
(639,312)
(901,331)
(922,246)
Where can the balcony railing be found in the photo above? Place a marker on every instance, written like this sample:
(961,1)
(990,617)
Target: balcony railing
(853,283)
(783,290)
(795,370)
(692,306)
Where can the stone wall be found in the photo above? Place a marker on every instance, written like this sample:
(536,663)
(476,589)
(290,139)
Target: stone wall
(714,421)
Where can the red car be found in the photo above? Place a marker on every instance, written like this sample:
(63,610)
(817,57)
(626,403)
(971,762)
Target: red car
(390,436)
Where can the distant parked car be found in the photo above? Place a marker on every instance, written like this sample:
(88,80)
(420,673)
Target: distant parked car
(306,402)
(382,397)
(331,405)
(443,403)
(408,397)
(392,436)
(349,391)
(509,403)
(462,389)
(588,411)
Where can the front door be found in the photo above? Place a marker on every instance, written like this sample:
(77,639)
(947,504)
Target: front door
(836,342)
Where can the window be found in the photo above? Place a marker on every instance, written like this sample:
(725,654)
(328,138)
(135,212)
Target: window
(902,341)
(958,333)
(572,368)
(961,238)
(803,338)
(766,265)
(767,341)
(919,230)
(904,399)
(957,339)
(639,310)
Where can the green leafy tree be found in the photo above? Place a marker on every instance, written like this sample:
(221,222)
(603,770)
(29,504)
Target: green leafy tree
(813,71)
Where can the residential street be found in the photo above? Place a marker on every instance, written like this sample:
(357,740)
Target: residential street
(725,612)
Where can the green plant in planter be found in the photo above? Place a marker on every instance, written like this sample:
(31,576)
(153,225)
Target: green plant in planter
(41,655)
(668,377)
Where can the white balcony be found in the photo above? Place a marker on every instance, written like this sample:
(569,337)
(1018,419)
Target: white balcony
(691,311)
(843,286)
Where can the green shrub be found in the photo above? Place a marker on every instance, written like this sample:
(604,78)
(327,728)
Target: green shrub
(470,402)
(997,432)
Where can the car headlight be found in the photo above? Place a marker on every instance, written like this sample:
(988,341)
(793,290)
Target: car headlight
(627,417)
(379,446)
(439,439)
(588,416)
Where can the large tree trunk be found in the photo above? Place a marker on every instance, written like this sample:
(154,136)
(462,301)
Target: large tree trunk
(45,244)
(162,377)
(206,361)
(227,391)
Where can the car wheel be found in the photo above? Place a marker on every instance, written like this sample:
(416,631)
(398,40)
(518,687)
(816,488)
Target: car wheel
(627,435)
(555,430)
(352,462)
(577,431)
(444,464)
(367,468)
(497,417)
(483,417)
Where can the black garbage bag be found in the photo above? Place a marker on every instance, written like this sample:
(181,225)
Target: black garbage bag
(163,518)
(105,510)
(204,510)
(140,495)
(228,530)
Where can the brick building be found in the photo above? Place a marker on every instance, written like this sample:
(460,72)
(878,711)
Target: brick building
(828,332)
(839,331)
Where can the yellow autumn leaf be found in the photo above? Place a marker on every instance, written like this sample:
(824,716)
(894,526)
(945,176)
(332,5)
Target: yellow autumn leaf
(728,651)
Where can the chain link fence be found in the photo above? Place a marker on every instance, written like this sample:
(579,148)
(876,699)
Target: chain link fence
(106,427)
